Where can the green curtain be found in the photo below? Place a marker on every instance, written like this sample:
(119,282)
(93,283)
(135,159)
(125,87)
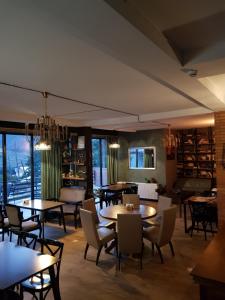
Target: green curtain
(112,158)
(51,172)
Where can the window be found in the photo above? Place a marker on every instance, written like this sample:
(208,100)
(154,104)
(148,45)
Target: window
(20,168)
(142,158)
(99,162)
(1,169)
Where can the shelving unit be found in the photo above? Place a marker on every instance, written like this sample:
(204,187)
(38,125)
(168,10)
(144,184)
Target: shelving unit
(196,153)
(77,160)
(74,162)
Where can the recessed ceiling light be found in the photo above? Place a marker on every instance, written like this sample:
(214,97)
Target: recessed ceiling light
(190,72)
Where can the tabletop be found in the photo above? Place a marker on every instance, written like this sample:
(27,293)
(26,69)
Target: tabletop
(110,212)
(200,199)
(211,264)
(118,187)
(18,263)
(40,205)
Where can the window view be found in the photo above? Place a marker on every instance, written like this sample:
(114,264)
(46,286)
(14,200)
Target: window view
(18,164)
(142,158)
(1,169)
(19,169)
(99,162)
(37,174)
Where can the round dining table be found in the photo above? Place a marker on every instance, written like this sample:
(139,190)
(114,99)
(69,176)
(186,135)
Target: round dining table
(111,212)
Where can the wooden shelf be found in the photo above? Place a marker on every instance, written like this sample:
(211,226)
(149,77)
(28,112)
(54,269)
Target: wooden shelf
(74,178)
(196,150)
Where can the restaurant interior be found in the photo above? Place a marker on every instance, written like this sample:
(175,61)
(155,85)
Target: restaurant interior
(112,149)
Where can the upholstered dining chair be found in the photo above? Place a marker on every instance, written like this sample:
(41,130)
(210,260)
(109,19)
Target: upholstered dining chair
(161,235)
(16,221)
(95,237)
(89,204)
(129,236)
(4,222)
(41,283)
(72,197)
(132,199)
(162,204)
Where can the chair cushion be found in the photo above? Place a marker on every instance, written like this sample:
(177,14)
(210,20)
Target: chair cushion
(6,222)
(106,223)
(151,233)
(29,225)
(105,234)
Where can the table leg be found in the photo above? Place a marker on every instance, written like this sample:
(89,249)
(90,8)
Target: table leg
(63,218)
(185,217)
(55,284)
(43,227)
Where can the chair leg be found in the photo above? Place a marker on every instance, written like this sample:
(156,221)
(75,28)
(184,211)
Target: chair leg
(10,236)
(98,254)
(40,231)
(86,250)
(153,249)
(171,248)
(160,253)
(119,258)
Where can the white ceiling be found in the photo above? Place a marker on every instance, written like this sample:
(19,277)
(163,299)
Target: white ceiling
(87,51)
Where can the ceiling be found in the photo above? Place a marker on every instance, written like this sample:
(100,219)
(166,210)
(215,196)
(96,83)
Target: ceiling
(120,64)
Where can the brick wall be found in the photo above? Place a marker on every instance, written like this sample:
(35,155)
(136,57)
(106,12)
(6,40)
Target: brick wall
(220,170)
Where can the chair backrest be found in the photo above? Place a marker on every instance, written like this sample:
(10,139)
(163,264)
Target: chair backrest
(131,198)
(89,204)
(72,194)
(1,217)
(129,233)
(88,222)
(14,216)
(54,248)
(167,225)
(26,239)
(163,203)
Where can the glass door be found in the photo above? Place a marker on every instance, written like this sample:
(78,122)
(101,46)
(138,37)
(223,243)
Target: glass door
(99,162)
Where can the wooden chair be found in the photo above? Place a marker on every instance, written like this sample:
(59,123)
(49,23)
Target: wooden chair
(202,214)
(72,197)
(162,235)
(89,205)
(16,221)
(4,222)
(163,203)
(41,284)
(26,239)
(132,199)
(130,238)
(95,237)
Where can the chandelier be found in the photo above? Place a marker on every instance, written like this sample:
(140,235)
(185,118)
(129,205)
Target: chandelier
(46,132)
(170,143)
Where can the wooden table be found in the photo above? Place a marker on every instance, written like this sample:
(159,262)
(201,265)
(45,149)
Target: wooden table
(115,188)
(110,212)
(209,271)
(42,206)
(197,199)
(18,263)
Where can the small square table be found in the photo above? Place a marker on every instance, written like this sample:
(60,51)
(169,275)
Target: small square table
(42,206)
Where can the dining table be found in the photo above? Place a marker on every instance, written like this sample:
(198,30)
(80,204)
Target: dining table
(41,206)
(18,263)
(116,188)
(111,212)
